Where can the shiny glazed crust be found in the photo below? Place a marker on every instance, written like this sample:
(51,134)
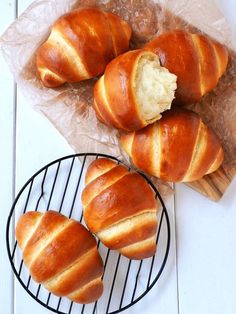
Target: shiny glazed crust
(115,102)
(198,62)
(80,45)
(120,208)
(61,254)
(179,147)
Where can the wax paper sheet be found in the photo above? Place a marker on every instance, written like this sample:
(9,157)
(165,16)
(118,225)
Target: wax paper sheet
(69,107)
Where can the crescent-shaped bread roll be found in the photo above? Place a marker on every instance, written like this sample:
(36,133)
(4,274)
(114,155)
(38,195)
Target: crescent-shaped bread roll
(179,147)
(134,91)
(61,254)
(80,45)
(198,62)
(120,208)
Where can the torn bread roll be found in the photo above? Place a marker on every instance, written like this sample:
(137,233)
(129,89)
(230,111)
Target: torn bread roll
(134,91)
(198,62)
(61,254)
(120,208)
(81,44)
(177,148)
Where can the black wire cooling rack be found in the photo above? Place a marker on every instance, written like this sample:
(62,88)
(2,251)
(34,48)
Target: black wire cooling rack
(58,186)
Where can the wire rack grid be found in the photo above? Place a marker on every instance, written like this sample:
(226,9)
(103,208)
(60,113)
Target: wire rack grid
(58,186)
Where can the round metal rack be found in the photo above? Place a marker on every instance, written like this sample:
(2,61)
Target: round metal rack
(58,186)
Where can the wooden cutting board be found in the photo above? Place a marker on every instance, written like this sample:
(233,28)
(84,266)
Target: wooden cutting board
(214,185)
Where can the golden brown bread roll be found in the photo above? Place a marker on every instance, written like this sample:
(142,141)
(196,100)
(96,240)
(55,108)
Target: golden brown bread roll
(120,208)
(61,254)
(179,147)
(197,61)
(80,46)
(133,91)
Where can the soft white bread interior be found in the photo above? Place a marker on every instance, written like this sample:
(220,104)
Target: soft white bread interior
(154,87)
(134,90)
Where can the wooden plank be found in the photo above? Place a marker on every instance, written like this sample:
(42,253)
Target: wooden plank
(215,184)
(7,133)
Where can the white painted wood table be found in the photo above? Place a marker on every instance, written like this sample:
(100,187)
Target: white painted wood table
(200,274)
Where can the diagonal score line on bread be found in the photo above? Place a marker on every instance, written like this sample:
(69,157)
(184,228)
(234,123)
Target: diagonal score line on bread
(81,44)
(218,160)
(93,174)
(220,66)
(69,50)
(117,173)
(197,152)
(29,233)
(33,248)
(156,147)
(120,34)
(141,149)
(112,35)
(39,247)
(79,272)
(222,57)
(50,283)
(133,250)
(98,113)
(197,60)
(105,189)
(124,229)
(200,58)
(46,72)
(62,255)
(104,112)
(92,32)
(209,67)
(185,148)
(134,90)
(200,151)
(80,293)
(120,208)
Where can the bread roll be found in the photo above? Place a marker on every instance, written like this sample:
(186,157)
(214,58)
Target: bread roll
(120,208)
(177,148)
(61,254)
(198,62)
(134,91)
(80,45)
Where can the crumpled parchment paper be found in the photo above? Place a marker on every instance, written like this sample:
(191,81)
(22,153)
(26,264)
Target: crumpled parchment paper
(69,107)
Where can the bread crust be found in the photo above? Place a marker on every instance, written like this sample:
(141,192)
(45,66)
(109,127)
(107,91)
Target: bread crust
(120,207)
(198,62)
(182,147)
(61,254)
(81,44)
(115,97)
